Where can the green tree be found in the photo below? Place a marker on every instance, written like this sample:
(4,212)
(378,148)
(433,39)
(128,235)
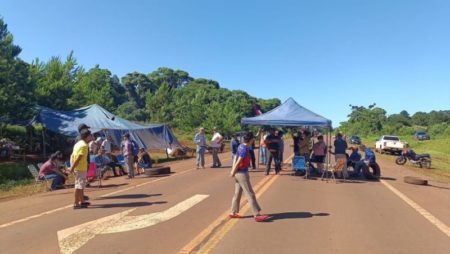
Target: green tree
(174,79)
(137,86)
(130,111)
(364,121)
(420,119)
(16,86)
(95,86)
(55,81)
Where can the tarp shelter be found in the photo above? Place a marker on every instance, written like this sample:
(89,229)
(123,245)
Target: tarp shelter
(154,136)
(290,113)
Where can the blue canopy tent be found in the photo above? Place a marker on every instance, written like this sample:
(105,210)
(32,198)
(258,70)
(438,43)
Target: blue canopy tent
(155,136)
(290,113)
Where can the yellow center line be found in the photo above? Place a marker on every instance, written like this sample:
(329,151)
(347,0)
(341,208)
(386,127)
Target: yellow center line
(220,234)
(222,225)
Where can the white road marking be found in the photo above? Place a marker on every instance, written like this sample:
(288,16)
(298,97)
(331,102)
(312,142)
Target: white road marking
(71,239)
(435,221)
(69,206)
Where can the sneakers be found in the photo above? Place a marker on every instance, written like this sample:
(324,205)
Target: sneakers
(261,218)
(79,206)
(234,216)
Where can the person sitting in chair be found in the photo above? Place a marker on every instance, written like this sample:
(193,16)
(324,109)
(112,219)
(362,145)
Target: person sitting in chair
(369,158)
(144,160)
(354,157)
(50,170)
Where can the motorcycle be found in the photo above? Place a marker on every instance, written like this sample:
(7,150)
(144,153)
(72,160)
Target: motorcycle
(421,160)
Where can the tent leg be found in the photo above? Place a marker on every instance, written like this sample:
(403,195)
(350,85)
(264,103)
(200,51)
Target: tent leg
(43,143)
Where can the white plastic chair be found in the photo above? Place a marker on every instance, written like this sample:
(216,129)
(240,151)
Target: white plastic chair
(33,170)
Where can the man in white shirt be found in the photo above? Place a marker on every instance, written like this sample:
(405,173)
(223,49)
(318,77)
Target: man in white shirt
(216,143)
(107,145)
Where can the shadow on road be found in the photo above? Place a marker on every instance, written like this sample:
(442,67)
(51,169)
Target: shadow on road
(130,196)
(388,178)
(296,215)
(439,187)
(127,205)
(95,186)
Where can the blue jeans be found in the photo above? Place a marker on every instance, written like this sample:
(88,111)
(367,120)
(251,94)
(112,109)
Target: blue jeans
(359,165)
(201,156)
(263,155)
(57,180)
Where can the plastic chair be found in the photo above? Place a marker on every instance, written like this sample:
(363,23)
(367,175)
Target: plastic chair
(35,173)
(299,164)
(94,172)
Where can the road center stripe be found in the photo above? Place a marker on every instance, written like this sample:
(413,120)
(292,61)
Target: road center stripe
(222,223)
(435,221)
(69,206)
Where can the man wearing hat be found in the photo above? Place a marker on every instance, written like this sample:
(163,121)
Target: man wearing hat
(200,140)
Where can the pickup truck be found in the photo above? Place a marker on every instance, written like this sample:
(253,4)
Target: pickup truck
(390,144)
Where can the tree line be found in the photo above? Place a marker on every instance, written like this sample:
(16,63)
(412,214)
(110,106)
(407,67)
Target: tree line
(162,96)
(373,120)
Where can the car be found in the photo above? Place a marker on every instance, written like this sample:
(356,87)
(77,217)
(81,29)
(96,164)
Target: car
(355,140)
(421,135)
(389,143)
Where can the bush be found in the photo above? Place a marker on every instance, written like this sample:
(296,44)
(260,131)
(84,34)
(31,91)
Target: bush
(13,172)
(406,131)
(438,130)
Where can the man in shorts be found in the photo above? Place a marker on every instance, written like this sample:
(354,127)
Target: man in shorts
(79,166)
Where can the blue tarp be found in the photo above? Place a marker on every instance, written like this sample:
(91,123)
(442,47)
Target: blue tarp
(290,113)
(153,136)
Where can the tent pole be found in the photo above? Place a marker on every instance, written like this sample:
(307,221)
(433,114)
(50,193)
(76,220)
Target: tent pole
(43,142)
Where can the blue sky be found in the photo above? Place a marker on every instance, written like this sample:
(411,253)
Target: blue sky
(324,54)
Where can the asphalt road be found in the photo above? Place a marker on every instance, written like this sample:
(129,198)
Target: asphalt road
(186,213)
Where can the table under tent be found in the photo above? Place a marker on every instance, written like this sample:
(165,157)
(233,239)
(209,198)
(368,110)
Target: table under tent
(291,114)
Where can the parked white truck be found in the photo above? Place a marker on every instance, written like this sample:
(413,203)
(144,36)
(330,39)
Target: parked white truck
(390,144)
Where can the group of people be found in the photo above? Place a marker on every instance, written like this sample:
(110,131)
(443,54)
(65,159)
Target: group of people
(100,152)
(215,146)
(319,149)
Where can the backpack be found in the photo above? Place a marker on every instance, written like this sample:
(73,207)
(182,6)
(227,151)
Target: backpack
(134,147)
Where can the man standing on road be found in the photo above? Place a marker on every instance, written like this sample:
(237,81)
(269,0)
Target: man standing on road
(272,142)
(340,152)
(216,143)
(79,165)
(200,141)
(242,182)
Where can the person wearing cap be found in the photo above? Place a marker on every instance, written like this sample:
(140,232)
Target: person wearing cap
(216,143)
(79,166)
(200,141)
(239,171)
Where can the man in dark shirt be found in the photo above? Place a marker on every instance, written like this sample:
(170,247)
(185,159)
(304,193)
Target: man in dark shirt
(272,142)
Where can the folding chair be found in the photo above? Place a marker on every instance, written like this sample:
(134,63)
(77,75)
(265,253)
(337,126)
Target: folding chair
(298,165)
(94,172)
(328,169)
(35,173)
